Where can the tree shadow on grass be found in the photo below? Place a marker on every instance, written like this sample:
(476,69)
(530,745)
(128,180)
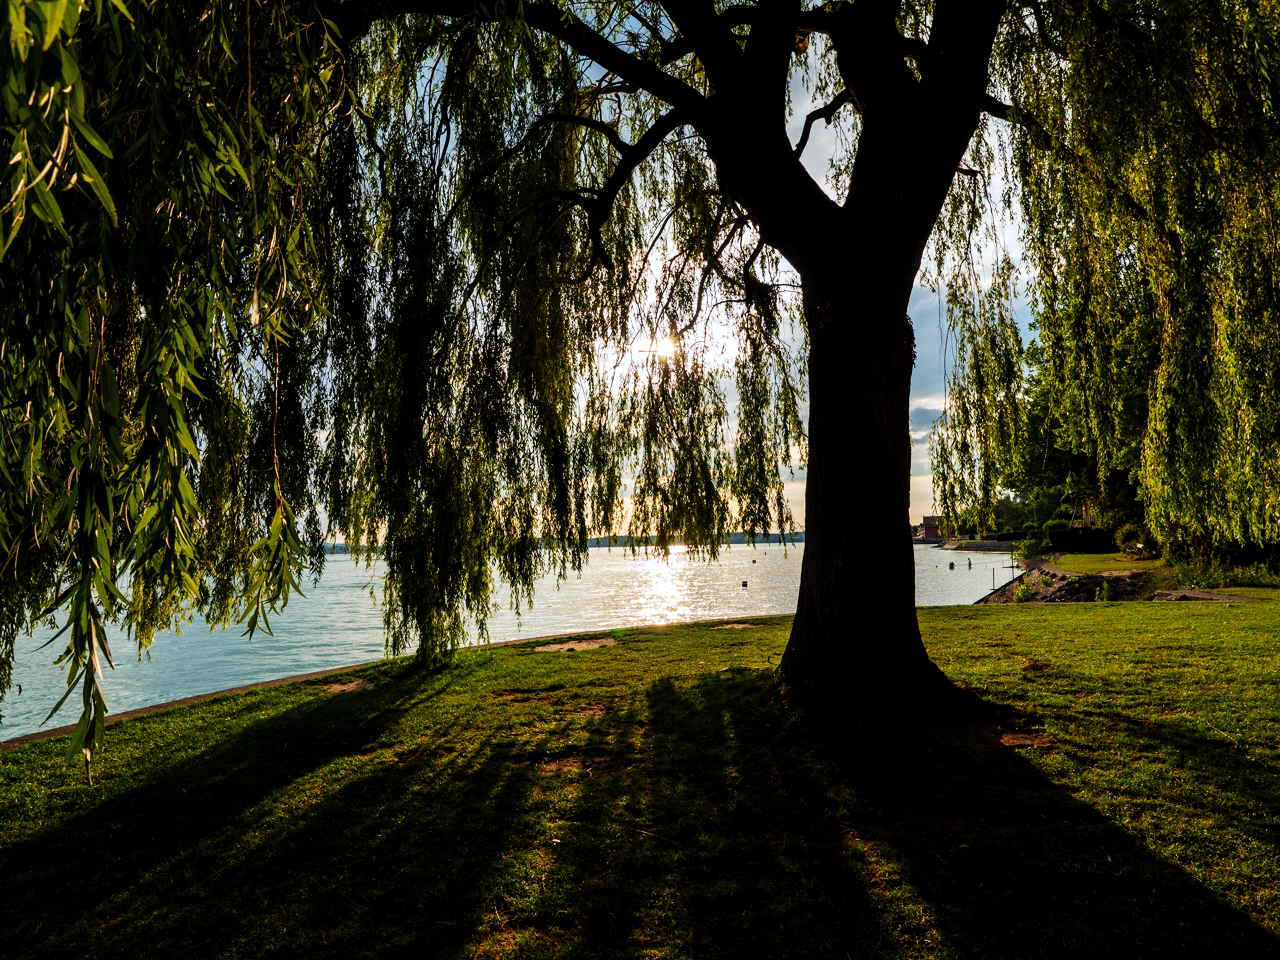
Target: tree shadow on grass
(1227,763)
(1014,866)
(737,834)
(192,858)
(691,818)
(723,838)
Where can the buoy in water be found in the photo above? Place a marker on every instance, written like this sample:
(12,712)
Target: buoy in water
(952,564)
(744,583)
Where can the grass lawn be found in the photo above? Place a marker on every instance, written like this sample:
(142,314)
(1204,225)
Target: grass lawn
(1257,593)
(1091,563)
(1119,798)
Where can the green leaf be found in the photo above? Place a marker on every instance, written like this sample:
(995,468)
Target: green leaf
(71,685)
(46,202)
(71,18)
(51,12)
(82,335)
(91,176)
(92,137)
(19,214)
(110,389)
(82,729)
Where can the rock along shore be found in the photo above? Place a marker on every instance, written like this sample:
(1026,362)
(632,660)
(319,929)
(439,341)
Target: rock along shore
(1050,584)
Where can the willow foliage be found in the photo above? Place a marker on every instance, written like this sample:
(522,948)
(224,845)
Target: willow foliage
(546,275)
(1142,164)
(434,282)
(155,241)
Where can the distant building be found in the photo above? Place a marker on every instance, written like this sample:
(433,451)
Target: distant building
(929,529)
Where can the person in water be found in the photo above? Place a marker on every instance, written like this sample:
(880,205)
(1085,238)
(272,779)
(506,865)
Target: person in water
(952,564)
(970,563)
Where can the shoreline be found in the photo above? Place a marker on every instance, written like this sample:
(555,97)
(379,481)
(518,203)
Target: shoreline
(65,730)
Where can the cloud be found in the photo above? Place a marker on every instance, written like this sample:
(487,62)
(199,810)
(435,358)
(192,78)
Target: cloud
(926,409)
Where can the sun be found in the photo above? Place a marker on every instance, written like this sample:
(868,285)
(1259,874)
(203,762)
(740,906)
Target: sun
(665,348)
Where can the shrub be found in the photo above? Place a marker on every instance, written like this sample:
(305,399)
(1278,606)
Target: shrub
(1026,549)
(1056,525)
(1213,575)
(1024,593)
(1132,537)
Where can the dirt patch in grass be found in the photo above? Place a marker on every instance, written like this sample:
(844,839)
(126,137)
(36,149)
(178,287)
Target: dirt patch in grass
(593,764)
(1031,665)
(1167,595)
(349,687)
(569,646)
(1032,739)
(735,626)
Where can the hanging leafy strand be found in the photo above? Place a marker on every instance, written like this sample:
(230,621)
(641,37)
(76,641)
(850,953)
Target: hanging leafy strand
(153,291)
(530,284)
(1144,143)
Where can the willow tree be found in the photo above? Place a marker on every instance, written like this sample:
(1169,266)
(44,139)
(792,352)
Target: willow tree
(455,276)
(1145,156)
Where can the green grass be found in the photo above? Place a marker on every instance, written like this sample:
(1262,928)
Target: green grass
(660,799)
(1257,593)
(1091,563)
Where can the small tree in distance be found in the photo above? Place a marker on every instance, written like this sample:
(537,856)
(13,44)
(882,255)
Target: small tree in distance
(409,264)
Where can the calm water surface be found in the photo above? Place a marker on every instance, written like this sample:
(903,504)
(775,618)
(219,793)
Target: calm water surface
(339,624)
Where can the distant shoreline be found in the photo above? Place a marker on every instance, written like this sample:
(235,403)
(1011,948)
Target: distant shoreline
(733,539)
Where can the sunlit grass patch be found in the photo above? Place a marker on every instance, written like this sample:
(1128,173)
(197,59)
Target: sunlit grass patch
(1256,593)
(1093,563)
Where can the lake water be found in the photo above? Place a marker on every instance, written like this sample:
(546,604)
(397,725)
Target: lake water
(338,624)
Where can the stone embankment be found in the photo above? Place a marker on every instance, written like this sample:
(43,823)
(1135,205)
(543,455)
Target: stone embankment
(1045,583)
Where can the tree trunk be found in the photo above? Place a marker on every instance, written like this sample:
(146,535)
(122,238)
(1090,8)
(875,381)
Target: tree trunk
(855,645)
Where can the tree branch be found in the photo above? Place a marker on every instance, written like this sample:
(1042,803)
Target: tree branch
(354,18)
(568,28)
(1042,29)
(599,209)
(824,113)
(591,123)
(997,108)
(1145,45)
(807,21)
(599,203)
(1042,139)
(710,36)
